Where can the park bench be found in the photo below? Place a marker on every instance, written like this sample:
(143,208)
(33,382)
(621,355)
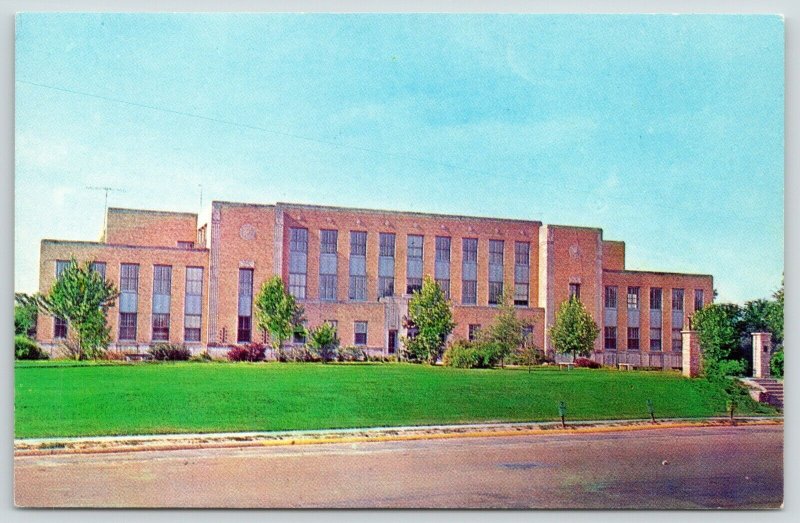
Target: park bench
(568,366)
(625,366)
(138,357)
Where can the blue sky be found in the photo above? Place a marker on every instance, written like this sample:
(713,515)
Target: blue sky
(665,131)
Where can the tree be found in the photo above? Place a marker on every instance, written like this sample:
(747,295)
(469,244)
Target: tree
(720,327)
(81,297)
(429,312)
(324,342)
(25,313)
(574,331)
(507,333)
(277,312)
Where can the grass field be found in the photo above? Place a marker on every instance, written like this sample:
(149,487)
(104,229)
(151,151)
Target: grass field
(71,399)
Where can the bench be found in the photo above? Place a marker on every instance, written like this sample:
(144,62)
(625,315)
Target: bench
(625,366)
(569,366)
(138,357)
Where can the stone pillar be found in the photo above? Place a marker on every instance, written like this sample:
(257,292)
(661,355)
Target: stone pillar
(762,351)
(691,353)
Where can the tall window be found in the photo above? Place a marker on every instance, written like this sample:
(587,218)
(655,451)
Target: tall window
(162,288)
(100,268)
(655,338)
(360,330)
(611,297)
(192,309)
(60,324)
(328,264)
(610,338)
(677,300)
(698,299)
(575,291)
(495,271)
(469,271)
(655,299)
(442,267)
(472,333)
(633,297)
(414,263)
(633,338)
(358,266)
(522,271)
(128,301)
(386,264)
(677,340)
(244,329)
(298,262)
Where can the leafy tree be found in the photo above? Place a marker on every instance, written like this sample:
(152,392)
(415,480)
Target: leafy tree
(277,312)
(574,331)
(776,364)
(324,342)
(82,297)
(25,313)
(720,327)
(507,332)
(430,312)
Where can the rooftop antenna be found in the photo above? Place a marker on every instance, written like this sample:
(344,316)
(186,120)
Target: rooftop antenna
(105,209)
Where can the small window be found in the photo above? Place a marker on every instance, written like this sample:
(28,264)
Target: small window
(527,334)
(655,299)
(474,328)
(127,326)
(611,297)
(60,328)
(160,327)
(698,299)
(633,338)
(655,339)
(244,330)
(299,336)
(100,268)
(360,329)
(677,300)
(633,297)
(677,340)
(574,291)
(610,338)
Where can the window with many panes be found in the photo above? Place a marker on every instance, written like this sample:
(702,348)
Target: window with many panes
(328,264)
(61,265)
(469,271)
(472,333)
(677,340)
(360,330)
(575,291)
(495,271)
(193,303)
(698,299)
(633,338)
(128,301)
(60,324)
(100,268)
(162,291)
(610,335)
(677,299)
(386,255)
(358,266)
(414,263)
(633,297)
(442,265)
(298,262)
(611,297)
(522,271)
(244,328)
(655,299)
(655,338)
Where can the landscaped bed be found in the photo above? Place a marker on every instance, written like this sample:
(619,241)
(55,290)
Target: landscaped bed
(77,399)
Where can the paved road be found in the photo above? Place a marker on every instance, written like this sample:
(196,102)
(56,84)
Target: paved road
(725,467)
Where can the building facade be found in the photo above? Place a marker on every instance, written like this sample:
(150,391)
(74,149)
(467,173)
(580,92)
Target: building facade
(357,268)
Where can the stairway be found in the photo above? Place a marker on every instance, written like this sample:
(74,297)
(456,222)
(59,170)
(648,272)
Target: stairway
(774,391)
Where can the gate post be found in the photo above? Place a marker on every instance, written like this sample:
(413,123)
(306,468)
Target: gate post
(691,353)
(762,345)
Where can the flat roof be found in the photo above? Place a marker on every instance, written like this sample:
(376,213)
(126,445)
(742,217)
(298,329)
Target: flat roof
(81,243)
(659,273)
(122,210)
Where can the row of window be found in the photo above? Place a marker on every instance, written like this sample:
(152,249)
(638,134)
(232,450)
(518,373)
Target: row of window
(610,338)
(161,301)
(656,294)
(357,288)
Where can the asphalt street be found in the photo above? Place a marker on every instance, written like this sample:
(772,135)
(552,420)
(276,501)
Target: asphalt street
(683,468)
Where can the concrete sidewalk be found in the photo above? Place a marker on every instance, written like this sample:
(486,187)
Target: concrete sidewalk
(160,442)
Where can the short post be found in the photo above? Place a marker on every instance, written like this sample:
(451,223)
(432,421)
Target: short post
(731,408)
(651,410)
(562,411)
(762,345)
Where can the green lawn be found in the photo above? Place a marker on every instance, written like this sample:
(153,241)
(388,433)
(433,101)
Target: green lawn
(69,399)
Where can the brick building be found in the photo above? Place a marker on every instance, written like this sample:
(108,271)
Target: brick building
(357,268)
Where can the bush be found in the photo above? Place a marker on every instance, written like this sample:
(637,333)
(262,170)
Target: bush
(352,354)
(465,354)
(167,352)
(586,362)
(201,357)
(323,342)
(249,352)
(27,349)
(112,355)
(776,364)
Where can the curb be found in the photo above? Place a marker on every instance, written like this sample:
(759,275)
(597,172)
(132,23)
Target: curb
(53,447)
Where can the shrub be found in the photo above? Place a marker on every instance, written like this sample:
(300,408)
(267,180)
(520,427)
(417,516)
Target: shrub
(776,364)
(352,354)
(323,342)
(27,349)
(466,354)
(586,362)
(201,357)
(167,352)
(249,352)
(112,355)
